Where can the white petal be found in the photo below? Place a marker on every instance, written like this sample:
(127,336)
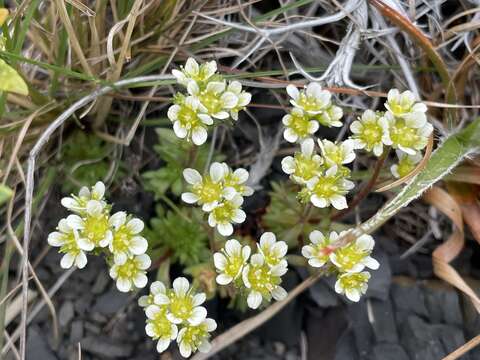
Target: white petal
(254,299)
(162,344)
(55,239)
(185,349)
(353,294)
(339,202)
(190,198)
(199,135)
(290,135)
(135,226)
(85,244)
(371,263)
(318,201)
(81,260)
(69,203)
(191,66)
(143,261)
(223,279)
(229,100)
(199,299)
(140,280)
(181,286)
(239,216)
(94,207)
(118,219)
(279,293)
(211,324)
(293,92)
(124,284)
(233,247)
(217,171)
(267,240)
(192,176)
(161,299)
(138,245)
(241,174)
(288,165)
(151,311)
(316,237)
(220,261)
(198,315)
(157,287)
(74,222)
(225,229)
(179,130)
(308,146)
(67,261)
(204,347)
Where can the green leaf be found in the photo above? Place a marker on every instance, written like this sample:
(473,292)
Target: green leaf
(10,80)
(5,194)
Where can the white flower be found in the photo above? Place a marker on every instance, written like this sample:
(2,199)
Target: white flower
(273,251)
(184,307)
(156,288)
(196,337)
(406,164)
(131,274)
(66,238)
(94,225)
(230,261)
(304,165)
(404,105)
(337,153)
(126,240)
(263,281)
(329,189)
(78,203)
(330,116)
(236,181)
(226,213)
(371,132)
(298,125)
(313,100)
(319,250)
(355,256)
(353,285)
(159,327)
(243,98)
(193,71)
(408,136)
(188,121)
(214,100)
(207,190)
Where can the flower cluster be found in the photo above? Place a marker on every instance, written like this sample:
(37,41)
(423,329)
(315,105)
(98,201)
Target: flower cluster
(209,97)
(324,178)
(260,274)
(349,260)
(220,193)
(92,228)
(312,107)
(176,314)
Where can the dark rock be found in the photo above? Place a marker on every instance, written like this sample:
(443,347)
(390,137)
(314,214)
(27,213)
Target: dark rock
(443,306)
(384,325)
(323,331)
(379,283)
(66,313)
(37,346)
(345,348)
(402,267)
(389,352)
(420,342)
(83,304)
(361,328)
(104,347)
(76,331)
(407,300)
(424,266)
(111,302)
(101,283)
(451,338)
(92,328)
(323,294)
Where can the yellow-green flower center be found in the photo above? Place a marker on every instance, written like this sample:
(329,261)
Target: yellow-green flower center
(327,186)
(224,212)
(211,101)
(306,167)
(334,154)
(309,103)
(208,190)
(405,166)
(231,180)
(371,134)
(349,256)
(400,108)
(353,281)
(234,265)
(128,270)
(188,117)
(95,227)
(321,251)
(195,335)
(121,239)
(300,124)
(161,325)
(70,245)
(262,280)
(403,135)
(181,306)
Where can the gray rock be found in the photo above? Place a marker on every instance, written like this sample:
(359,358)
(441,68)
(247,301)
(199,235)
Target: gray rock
(66,313)
(111,302)
(100,283)
(384,324)
(104,347)
(76,331)
(379,283)
(361,328)
(37,346)
(323,295)
(420,341)
(443,306)
(345,348)
(389,352)
(407,300)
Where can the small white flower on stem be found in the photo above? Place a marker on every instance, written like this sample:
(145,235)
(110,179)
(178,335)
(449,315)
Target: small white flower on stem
(243,98)
(94,225)
(66,238)
(156,288)
(230,261)
(319,250)
(159,328)
(227,213)
(304,165)
(313,100)
(339,154)
(355,256)
(370,132)
(78,203)
(194,72)
(236,180)
(353,285)
(273,251)
(196,337)
(298,125)
(132,273)
(126,240)
(214,100)
(184,306)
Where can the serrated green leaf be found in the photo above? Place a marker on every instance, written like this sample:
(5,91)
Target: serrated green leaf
(10,80)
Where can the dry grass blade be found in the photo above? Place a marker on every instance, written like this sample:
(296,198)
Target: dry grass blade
(462,350)
(449,250)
